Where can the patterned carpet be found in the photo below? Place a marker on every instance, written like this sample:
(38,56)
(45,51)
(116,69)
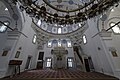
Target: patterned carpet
(60,74)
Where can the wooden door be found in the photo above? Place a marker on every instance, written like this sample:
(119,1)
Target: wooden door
(28,62)
(87,65)
(39,65)
(40,60)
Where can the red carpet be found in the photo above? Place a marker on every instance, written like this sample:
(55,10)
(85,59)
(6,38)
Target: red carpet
(61,74)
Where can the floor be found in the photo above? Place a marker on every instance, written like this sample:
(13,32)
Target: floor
(60,74)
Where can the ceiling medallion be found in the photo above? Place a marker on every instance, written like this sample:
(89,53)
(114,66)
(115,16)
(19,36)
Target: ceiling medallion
(54,15)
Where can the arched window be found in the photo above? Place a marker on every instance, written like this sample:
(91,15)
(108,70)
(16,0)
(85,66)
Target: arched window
(70,62)
(39,22)
(59,43)
(84,39)
(69,44)
(3,28)
(34,38)
(59,30)
(49,44)
(49,61)
(115,29)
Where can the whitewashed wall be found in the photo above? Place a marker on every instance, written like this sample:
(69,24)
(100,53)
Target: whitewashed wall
(3,39)
(4,16)
(95,48)
(114,41)
(27,47)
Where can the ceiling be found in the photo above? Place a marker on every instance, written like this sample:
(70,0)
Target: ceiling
(58,29)
(45,31)
(65,5)
(43,36)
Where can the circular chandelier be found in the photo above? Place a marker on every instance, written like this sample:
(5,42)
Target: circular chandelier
(83,12)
